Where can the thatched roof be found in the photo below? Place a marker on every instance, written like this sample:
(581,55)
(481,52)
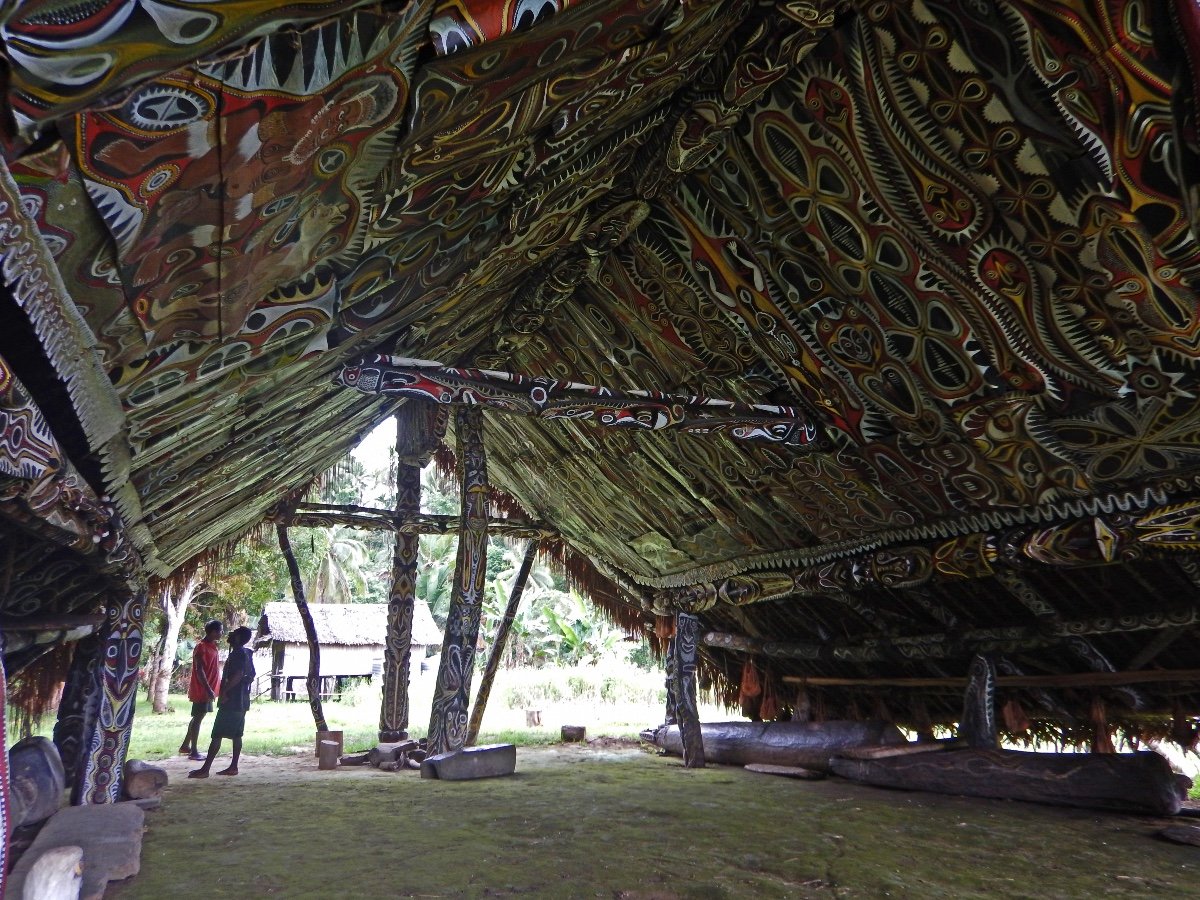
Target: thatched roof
(866,331)
(350,624)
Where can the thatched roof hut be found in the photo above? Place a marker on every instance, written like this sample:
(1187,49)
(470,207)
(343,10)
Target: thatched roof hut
(351,637)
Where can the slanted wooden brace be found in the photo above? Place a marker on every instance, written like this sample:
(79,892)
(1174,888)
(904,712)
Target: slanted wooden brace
(497,652)
(683,692)
(448,719)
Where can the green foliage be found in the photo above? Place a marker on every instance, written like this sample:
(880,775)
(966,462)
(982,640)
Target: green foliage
(611,684)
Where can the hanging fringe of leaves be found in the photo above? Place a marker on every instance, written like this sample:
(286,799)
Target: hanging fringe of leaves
(36,689)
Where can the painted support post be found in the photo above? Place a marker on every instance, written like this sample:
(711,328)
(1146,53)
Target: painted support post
(77,708)
(419,427)
(451,696)
(397,652)
(114,676)
(978,725)
(498,645)
(313,682)
(683,669)
(5,830)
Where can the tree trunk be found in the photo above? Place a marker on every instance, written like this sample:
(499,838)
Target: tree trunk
(313,682)
(505,626)
(174,606)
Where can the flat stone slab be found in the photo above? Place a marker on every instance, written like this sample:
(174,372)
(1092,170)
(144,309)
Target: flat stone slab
(1182,834)
(785,771)
(489,761)
(110,835)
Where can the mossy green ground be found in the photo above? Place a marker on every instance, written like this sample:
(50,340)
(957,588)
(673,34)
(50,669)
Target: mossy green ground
(587,822)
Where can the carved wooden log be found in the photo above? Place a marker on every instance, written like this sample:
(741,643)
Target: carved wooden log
(805,744)
(353,759)
(890,750)
(143,780)
(1129,782)
(36,781)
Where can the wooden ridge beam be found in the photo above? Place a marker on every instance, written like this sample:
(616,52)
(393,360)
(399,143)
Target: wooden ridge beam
(327,515)
(1072,680)
(1011,638)
(547,398)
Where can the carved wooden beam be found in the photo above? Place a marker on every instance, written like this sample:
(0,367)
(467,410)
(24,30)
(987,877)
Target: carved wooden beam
(546,398)
(1088,541)
(1078,645)
(327,515)
(965,642)
(1071,680)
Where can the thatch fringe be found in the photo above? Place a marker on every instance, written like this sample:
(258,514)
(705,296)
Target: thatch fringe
(37,689)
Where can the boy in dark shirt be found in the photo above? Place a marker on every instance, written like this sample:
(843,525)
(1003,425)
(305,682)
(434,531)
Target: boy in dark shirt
(232,703)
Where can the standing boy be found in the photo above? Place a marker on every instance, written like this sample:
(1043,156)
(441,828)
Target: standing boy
(232,703)
(204,686)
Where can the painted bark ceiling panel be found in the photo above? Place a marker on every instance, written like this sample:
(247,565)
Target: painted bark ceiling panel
(952,244)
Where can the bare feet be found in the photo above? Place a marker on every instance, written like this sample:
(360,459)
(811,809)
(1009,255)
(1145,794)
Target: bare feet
(198,773)
(184,751)
(230,771)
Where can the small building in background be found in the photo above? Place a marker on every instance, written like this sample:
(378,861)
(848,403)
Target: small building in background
(351,636)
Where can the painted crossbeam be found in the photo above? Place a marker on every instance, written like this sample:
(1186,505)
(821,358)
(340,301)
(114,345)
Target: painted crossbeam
(547,398)
(935,645)
(323,515)
(1066,680)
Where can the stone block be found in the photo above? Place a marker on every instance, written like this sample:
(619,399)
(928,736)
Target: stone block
(110,835)
(470,763)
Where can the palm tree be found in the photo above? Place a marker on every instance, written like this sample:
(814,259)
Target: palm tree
(341,575)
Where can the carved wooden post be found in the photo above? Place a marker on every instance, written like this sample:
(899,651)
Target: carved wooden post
(105,739)
(419,427)
(451,697)
(4,814)
(683,670)
(978,726)
(502,631)
(77,708)
(313,682)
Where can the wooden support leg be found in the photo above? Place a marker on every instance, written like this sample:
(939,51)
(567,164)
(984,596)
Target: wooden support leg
(393,714)
(978,725)
(498,645)
(451,697)
(683,652)
(106,739)
(313,682)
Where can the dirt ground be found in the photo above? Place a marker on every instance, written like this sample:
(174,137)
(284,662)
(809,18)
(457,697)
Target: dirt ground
(614,821)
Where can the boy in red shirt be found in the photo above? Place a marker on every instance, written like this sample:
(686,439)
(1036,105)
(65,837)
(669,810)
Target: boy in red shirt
(204,687)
